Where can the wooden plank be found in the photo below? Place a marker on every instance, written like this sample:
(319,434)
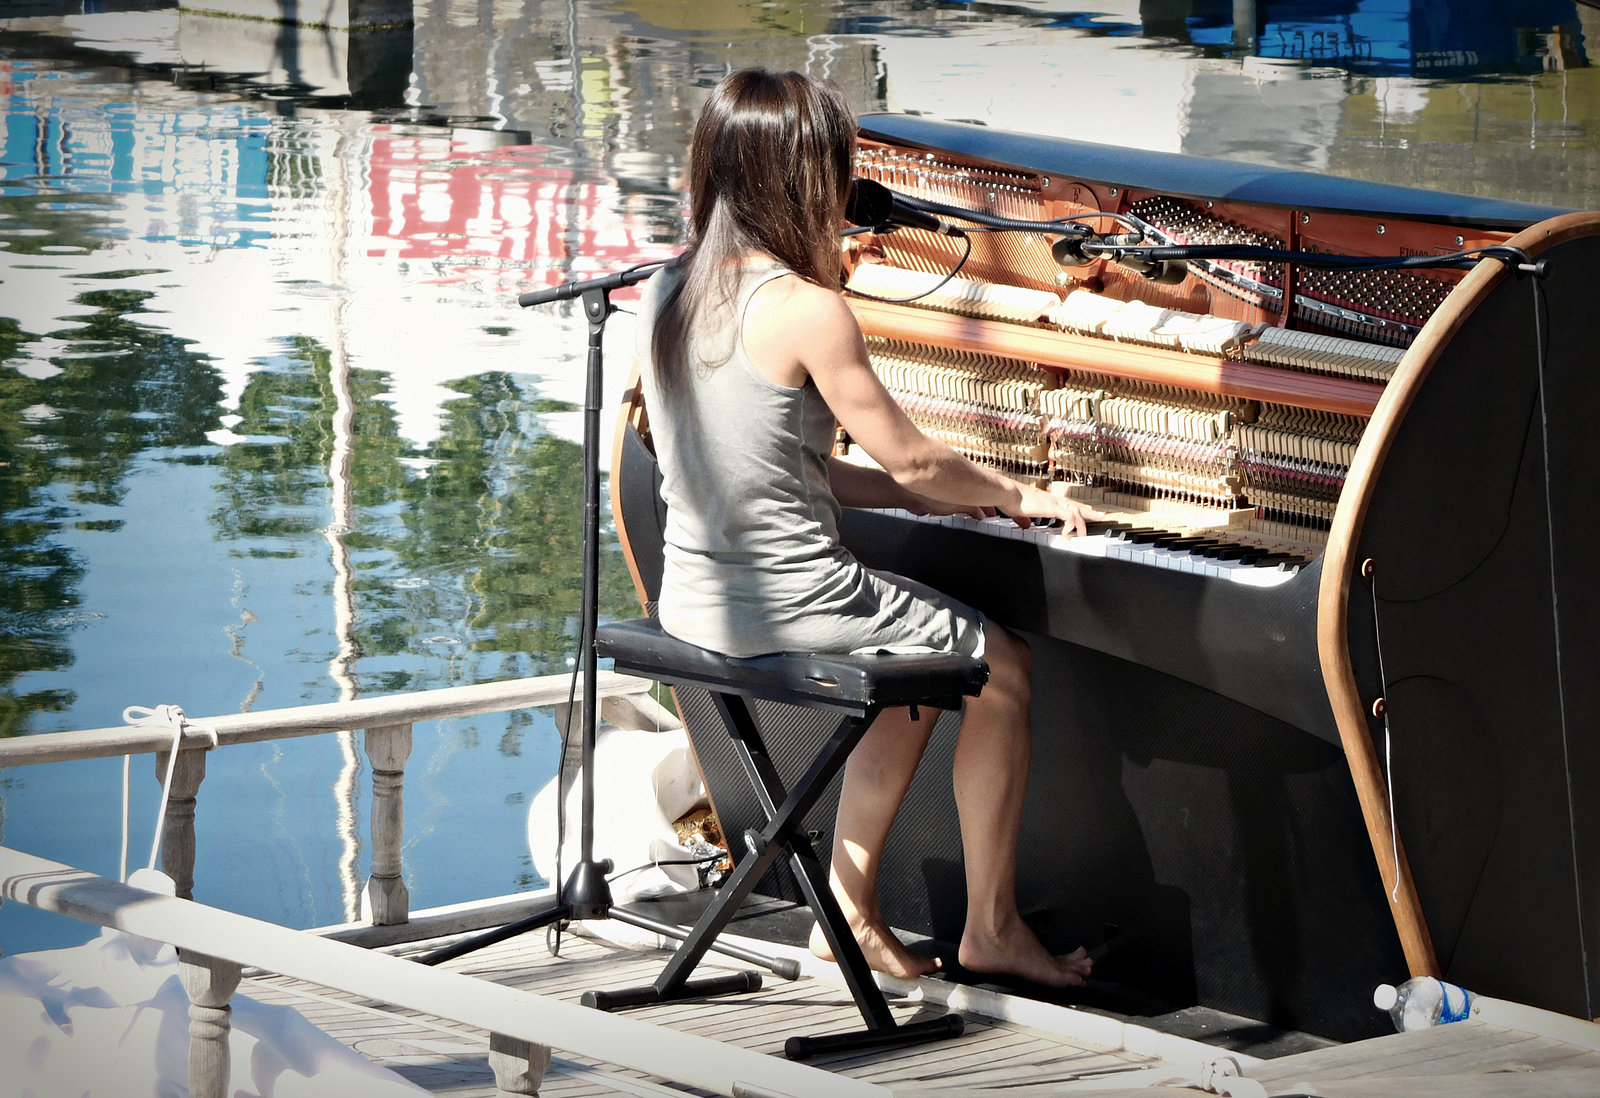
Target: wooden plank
(1574,1083)
(432,1053)
(948,1058)
(952,1056)
(990,1055)
(1459,1046)
(762,1020)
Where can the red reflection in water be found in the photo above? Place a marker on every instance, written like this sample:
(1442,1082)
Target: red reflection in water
(501,214)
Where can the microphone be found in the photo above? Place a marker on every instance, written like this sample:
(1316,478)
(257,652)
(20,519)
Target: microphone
(872,205)
(1079,251)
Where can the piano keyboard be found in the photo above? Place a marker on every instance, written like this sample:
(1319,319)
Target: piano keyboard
(1131,541)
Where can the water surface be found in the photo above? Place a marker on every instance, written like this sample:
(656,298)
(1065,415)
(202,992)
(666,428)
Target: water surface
(274,431)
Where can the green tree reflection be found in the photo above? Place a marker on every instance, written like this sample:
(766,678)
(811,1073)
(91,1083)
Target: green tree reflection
(502,508)
(476,536)
(67,443)
(273,487)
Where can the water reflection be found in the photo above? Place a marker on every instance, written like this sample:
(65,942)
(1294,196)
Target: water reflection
(273,431)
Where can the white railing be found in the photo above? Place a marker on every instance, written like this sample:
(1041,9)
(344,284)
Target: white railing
(215,945)
(624,700)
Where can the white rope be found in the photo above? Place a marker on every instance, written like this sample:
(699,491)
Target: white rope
(1388,747)
(171,716)
(122,862)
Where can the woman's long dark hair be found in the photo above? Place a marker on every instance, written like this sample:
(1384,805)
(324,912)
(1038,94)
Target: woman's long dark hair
(769,169)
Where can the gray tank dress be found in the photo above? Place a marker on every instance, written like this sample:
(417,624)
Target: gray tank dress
(753,562)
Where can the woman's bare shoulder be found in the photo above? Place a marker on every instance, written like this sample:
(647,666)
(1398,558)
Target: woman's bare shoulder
(794,297)
(790,309)
(793,325)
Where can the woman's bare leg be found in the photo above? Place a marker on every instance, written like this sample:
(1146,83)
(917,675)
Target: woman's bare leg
(991,778)
(875,782)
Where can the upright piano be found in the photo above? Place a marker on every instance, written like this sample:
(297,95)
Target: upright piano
(1317,706)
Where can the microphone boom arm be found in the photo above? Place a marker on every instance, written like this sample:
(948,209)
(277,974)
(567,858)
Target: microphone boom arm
(568,290)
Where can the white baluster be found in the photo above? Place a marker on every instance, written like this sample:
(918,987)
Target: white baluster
(387,748)
(210,982)
(177,837)
(518,1065)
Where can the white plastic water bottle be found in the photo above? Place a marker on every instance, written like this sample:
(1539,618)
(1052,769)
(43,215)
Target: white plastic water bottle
(1423,1001)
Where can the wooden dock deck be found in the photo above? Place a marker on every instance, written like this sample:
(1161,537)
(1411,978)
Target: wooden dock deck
(433,1025)
(447,1058)
(1025,1049)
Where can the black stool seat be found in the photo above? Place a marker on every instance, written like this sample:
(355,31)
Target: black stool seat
(857,688)
(853,683)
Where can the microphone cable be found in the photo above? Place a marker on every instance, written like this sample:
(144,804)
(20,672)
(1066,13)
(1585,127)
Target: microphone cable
(962,262)
(1515,258)
(1070,227)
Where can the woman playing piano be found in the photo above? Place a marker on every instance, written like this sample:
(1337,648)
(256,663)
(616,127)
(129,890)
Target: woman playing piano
(751,355)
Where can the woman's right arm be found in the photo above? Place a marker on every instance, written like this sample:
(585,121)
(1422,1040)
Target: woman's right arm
(826,341)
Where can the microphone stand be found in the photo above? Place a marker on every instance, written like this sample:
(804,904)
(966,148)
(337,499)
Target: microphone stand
(587,893)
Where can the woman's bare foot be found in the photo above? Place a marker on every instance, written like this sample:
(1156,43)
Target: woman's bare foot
(884,952)
(1014,950)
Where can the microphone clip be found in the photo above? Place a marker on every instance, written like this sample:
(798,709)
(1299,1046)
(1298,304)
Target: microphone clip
(1162,272)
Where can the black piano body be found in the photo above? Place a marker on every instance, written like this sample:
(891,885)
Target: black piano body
(1270,798)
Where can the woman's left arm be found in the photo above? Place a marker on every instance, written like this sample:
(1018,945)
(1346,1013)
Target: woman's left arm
(868,486)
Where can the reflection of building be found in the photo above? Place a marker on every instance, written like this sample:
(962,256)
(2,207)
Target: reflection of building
(621,83)
(333,14)
(83,148)
(1400,37)
(509,213)
(1101,80)
(368,68)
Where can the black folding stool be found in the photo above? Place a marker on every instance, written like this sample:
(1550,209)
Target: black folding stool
(857,687)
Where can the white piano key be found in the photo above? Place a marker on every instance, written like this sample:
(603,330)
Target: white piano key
(1110,547)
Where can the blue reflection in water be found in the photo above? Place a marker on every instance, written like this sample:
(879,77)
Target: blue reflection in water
(73,142)
(1403,37)
(209,499)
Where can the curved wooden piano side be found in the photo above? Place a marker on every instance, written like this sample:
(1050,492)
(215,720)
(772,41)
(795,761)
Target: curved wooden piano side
(1342,565)
(631,421)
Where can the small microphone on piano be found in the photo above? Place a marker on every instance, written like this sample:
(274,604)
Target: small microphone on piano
(1079,251)
(872,205)
(1068,251)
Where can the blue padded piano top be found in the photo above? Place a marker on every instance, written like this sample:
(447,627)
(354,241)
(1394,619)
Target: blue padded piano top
(1199,177)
